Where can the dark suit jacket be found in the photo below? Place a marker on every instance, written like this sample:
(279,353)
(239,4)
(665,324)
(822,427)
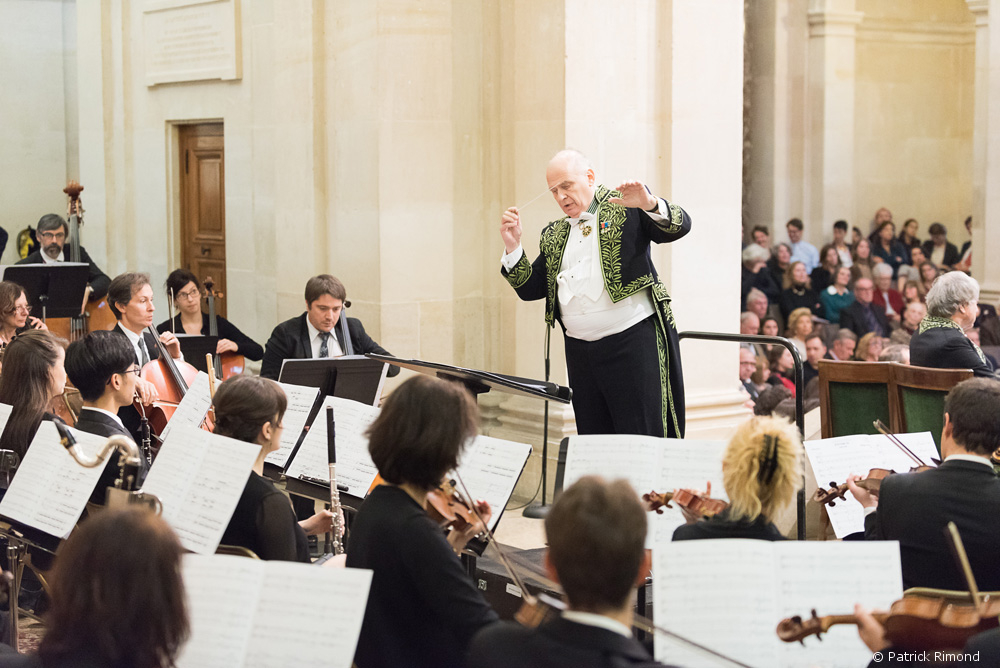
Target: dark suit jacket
(97,279)
(947,348)
(951,254)
(129,415)
(559,643)
(852,317)
(96,422)
(915,508)
(721,526)
(290,341)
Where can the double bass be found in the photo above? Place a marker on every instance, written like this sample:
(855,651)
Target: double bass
(228,363)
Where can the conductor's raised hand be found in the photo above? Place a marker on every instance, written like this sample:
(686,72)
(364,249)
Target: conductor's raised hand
(510,229)
(634,195)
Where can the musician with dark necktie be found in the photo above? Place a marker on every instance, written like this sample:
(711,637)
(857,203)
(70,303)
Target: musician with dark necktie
(315,333)
(53,232)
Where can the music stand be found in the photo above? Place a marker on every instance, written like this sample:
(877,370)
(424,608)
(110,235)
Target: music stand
(194,347)
(352,377)
(53,290)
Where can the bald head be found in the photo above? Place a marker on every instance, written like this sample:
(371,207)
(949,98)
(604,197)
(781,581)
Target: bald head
(572,181)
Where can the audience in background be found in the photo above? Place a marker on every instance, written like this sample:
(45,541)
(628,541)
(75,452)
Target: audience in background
(973,335)
(750,324)
(815,351)
(802,251)
(856,236)
(911,292)
(798,293)
(883,215)
(748,365)
(800,325)
(781,257)
(822,276)
(840,242)
(782,368)
(863,262)
(755,274)
(869,348)
(895,353)
(913,314)
(888,249)
(757,303)
(908,235)
(929,273)
(761,237)
(761,374)
(910,271)
(837,297)
(965,255)
(771,398)
(885,296)
(941,252)
(940,341)
(863,316)
(842,348)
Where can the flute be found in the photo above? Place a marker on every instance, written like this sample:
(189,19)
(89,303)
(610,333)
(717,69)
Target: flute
(331,448)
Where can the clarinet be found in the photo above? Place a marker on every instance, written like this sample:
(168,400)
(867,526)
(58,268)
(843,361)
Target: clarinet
(331,446)
(147,440)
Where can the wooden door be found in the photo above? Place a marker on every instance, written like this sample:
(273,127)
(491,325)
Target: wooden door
(203,204)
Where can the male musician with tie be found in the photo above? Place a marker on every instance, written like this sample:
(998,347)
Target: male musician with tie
(596,535)
(52,234)
(131,299)
(315,334)
(915,508)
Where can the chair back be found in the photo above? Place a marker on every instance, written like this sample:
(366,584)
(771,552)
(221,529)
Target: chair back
(919,397)
(852,395)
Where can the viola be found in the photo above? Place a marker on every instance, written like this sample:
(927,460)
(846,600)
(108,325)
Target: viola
(228,363)
(693,502)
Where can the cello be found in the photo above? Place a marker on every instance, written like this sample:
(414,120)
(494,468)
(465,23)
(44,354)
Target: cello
(171,379)
(228,363)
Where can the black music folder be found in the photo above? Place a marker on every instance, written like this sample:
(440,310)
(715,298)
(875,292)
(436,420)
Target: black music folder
(53,290)
(194,347)
(354,377)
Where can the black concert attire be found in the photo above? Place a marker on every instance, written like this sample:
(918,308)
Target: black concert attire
(751,389)
(559,643)
(862,319)
(97,422)
(244,344)
(265,523)
(76,659)
(801,297)
(915,508)
(129,415)
(820,279)
(96,279)
(940,343)
(895,257)
(721,526)
(808,372)
(951,254)
(290,341)
(423,607)
(763,281)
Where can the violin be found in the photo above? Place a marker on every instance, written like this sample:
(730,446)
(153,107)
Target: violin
(449,508)
(693,502)
(228,363)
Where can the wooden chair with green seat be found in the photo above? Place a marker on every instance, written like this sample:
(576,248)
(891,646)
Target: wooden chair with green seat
(919,394)
(852,395)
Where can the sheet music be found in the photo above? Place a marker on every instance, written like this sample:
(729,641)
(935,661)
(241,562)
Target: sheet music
(5,410)
(748,586)
(199,477)
(490,468)
(50,490)
(300,403)
(193,406)
(242,615)
(833,459)
(354,465)
(649,464)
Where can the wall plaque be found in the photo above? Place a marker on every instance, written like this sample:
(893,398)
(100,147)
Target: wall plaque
(191,40)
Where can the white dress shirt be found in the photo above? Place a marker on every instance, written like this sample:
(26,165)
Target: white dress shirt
(316,341)
(599,621)
(134,339)
(48,260)
(585,307)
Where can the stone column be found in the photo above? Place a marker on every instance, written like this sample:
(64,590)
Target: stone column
(986,148)
(830,185)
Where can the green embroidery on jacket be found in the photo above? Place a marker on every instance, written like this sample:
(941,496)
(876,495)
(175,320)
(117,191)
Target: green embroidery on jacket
(934,322)
(521,272)
(552,244)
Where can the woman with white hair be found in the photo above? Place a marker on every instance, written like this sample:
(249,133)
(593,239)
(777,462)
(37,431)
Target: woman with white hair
(756,275)
(940,341)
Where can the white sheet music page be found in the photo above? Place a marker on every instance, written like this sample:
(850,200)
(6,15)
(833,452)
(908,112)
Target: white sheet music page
(354,465)
(5,410)
(193,407)
(490,468)
(833,459)
(199,477)
(685,464)
(300,402)
(50,490)
(320,629)
(748,586)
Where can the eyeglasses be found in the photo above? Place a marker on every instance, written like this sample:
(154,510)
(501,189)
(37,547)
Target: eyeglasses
(52,236)
(189,294)
(20,308)
(135,369)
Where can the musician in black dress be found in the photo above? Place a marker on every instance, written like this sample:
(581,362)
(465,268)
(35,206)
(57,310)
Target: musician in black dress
(250,409)
(423,607)
(761,472)
(33,375)
(191,320)
(102,367)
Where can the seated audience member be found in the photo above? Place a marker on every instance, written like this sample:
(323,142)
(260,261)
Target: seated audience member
(882,215)
(250,409)
(840,243)
(822,276)
(842,348)
(802,251)
(965,255)
(928,274)
(973,335)
(761,237)
(912,292)
(940,341)
(128,611)
(782,368)
(190,319)
(750,324)
(14,313)
(800,325)
(315,334)
(908,234)
(797,293)
(33,375)
(939,251)
(856,236)
(911,271)
(815,351)
(53,233)
(895,352)
(781,258)
(769,326)
(598,570)
(771,398)
(837,297)
(886,248)
(914,508)
(423,608)
(760,470)
(102,367)
(762,372)
(748,365)
(913,315)
(863,315)
(884,296)
(756,275)
(757,304)
(863,261)
(869,348)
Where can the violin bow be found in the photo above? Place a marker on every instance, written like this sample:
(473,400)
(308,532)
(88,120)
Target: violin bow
(640,622)
(898,443)
(962,559)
